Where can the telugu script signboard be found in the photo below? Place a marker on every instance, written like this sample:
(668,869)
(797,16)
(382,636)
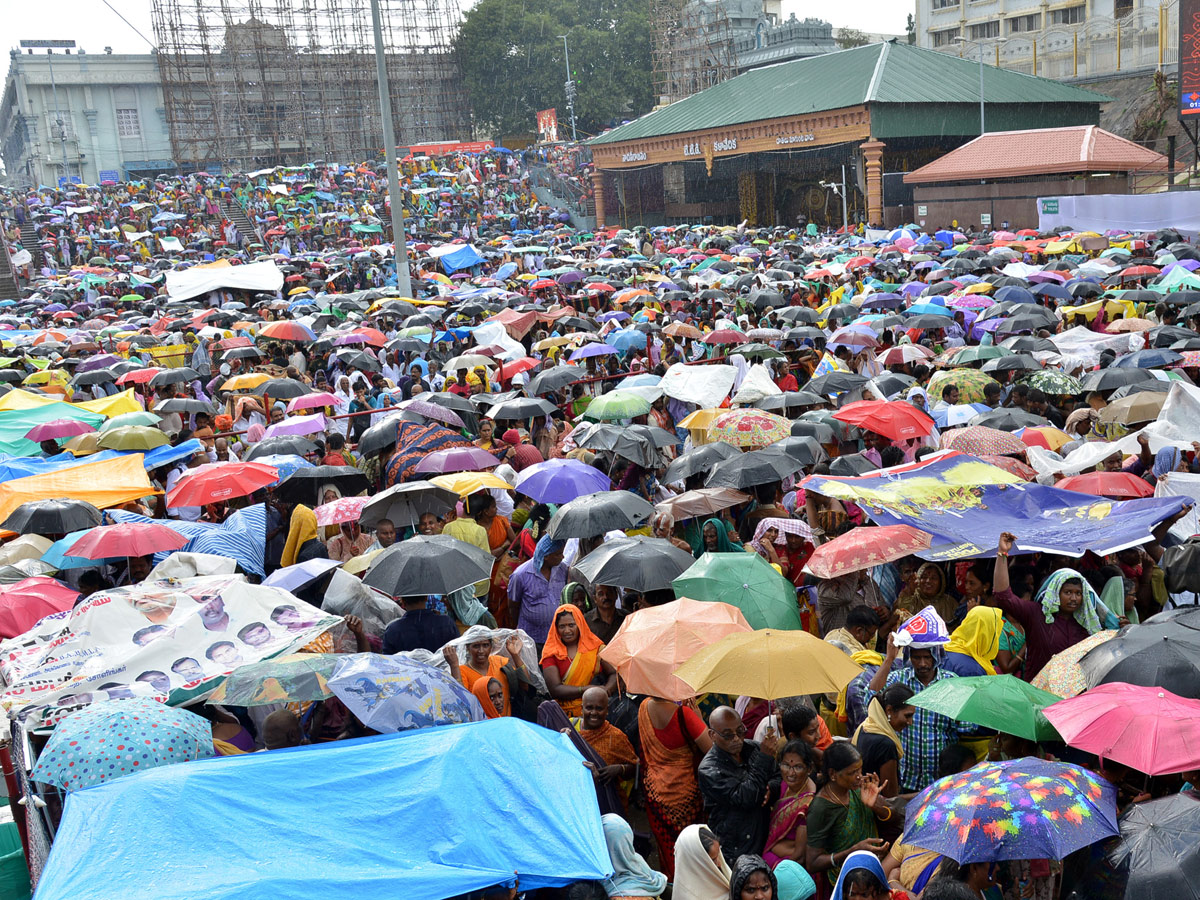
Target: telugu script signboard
(1189,57)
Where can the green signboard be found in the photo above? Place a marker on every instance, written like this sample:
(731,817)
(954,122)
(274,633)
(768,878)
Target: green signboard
(1049,206)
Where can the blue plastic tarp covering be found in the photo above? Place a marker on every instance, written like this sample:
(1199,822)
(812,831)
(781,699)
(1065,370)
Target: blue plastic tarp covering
(461,259)
(423,815)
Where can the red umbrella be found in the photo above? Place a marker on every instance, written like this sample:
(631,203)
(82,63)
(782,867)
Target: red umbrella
(138,376)
(897,420)
(25,602)
(1120,485)
(542,283)
(221,481)
(57,428)
(1139,272)
(862,548)
(127,539)
(1012,466)
(725,336)
(1146,728)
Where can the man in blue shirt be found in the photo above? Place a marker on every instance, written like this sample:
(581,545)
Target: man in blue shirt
(418,629)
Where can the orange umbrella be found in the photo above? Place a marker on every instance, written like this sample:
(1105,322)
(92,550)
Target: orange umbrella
(652,643)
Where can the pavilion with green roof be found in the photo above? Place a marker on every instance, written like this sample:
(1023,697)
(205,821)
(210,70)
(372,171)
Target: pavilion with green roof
(766,145)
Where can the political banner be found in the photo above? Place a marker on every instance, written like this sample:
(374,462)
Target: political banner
(547,124)
(172,639)
(965,503)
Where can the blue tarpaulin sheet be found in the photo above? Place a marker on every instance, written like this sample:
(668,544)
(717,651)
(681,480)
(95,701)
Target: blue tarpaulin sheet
(461,259)
(423,815)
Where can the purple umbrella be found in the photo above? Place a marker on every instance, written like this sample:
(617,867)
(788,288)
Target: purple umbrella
(292,578)
(1046,276)
(98,362)
(53,307)
(570,277)
(619,316)
(350,339)
(592,350)
(433,411)
(297,425)
(561,480)
(457,459)
(58,428)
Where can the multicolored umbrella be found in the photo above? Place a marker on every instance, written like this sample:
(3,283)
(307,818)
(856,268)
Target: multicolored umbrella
(343,509)
(297,677)
(119,737)
(862,548)
(1001,702)
(393,693)
(750,429)
(970,384)
(979,439)
(1017,809)
(617,405)
(1054,382)
(1063,675)
(744,580)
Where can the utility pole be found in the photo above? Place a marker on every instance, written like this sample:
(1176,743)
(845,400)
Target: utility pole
(49,47)
(399,241)
(845,216)
(570,86)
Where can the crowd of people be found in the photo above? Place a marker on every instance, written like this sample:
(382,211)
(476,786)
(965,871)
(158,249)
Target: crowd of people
(719,395)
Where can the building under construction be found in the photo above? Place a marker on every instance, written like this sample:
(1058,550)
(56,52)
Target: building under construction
(249,84)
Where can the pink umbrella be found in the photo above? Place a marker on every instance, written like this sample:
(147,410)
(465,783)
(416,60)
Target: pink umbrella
(25,602)
(1146,728)
(314,401)
(343,509)
(457,459)
(127,539)
(58,428)
(297,425)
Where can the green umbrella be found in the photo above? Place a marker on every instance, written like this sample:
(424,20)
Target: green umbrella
(744,580)
(125,420)
(130,298)
(979,354)
(759,352)
(1053,382)
(617,405)
(136,437)
(1002,702)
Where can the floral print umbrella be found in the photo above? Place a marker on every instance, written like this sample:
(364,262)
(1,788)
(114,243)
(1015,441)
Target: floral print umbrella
(970,384)
(750,429)
(343,509)
(979,440)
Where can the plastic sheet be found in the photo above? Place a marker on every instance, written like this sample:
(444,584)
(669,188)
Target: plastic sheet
(421,816)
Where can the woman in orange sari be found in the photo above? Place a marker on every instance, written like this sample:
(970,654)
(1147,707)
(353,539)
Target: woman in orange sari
(492,694)
(571,660)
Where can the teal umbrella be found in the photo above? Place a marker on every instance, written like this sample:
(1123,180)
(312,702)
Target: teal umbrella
(744,580)
(129,419)
(979,354)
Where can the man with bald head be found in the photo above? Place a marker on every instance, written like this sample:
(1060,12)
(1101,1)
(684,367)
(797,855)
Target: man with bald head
(734,779)
(607,740)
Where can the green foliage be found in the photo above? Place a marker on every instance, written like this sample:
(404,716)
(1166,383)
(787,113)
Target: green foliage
(850,37)
(511,56)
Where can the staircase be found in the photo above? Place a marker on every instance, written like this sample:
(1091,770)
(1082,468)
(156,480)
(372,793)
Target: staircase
(9,289)
(234,212)
(29,240)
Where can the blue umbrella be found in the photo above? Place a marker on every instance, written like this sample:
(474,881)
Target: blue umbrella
(394,693)
(293,578)
(935,309)
(561,480)
(1148,359)
(287,464)
(1015,294)
(623,341)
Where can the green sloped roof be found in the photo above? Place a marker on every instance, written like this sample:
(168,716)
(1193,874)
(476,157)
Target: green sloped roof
(891,72)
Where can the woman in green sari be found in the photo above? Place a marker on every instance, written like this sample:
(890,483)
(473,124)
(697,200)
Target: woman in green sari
(841,818)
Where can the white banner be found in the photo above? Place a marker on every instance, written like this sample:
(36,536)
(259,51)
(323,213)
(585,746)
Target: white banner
(1121,212)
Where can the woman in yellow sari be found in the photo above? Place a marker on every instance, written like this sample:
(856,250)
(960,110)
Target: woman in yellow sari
(571,660)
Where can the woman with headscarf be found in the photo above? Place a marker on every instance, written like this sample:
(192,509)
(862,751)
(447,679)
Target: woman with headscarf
(878,737)
(714,538)
(1064,611)
(700,871)
(928,588)
(631,876)
(302,541)
(975,643)
(571,660)
(861,876)
(1119,596)
(752,879)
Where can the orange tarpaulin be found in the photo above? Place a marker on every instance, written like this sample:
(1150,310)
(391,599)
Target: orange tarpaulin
(109,482)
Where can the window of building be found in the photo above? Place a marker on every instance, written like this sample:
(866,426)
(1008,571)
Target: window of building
(944,4)
(1020,24)
(944,38)
(1070,15)
(1122,8)
(128,124)
(984,30)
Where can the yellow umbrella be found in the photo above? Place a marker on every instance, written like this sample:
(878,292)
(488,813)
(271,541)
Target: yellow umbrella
(84,444)
(247,382)
(464,483)
(556,341)
(768,664)
(980,287)
(359,564)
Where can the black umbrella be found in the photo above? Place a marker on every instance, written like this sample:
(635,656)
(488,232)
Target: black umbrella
(818,431)
(521,408)
(1158,853)
(60,516)
(380,436)
(1007,419)
(754,468)
(183,405)
(790,400)
(835,383)
(597,514)
(1181,565)
(174,376)
(303,485)
(638,563)
(1152,385)
(243,353)
(453,402)
(1162,654)
(428,564)
(637,443)
(854,464)
(283,444)
(554,379)
(360,360)
(1110,379)
(702,459)
(283,389)
(96,376)
(798,314)
(1018,362)
(404,504)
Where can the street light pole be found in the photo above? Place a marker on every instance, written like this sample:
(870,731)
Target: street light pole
(399,241)
(979,45)
(845,215)
(570,86)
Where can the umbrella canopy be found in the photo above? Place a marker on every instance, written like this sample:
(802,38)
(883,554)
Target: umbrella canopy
(293,578)
(343,509)
(1063,675)
(637,563)
(1117,485)
(1017,809)
(215,482)
(132,438)
(127,539)
(862,548)
(1146,728)
(457,459)
(1000,702)
(120,737)
(404,504)
(1158,850)
(465,483)
(701,502)
(750,429)
(1163,654)
(561,480)
(617,404)
(52,517)
(747,470)
(768,664)
(653,642)
(298,677)
(428,564)
(598,514)
(744,580)
(393,693)
(702,459)
(898,420)
(303,485)
(58,428)
(979,439)
(23,603)
(132,420)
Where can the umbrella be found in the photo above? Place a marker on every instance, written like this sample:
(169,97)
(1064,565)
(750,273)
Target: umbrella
(457,459)
(52,517)
(283,389)
(898,420)
(27,546)
(596,514)
(1158,850)
(1001,702)
(343,509)
(183,405)
(379,437)
(1132,409)
(428,564)
(970,384)
(23,603)
(1116,485)
(404,504)
(702,459)
(465,483)
(132,419)
(394,693)
(303,484)
(750,429)
(744,580)
(1063,675)
(284,445)
(979,439)
(653,642)
(216,482)
(862,548)
(561,480)
(769,664)
(120,737)
(57,428)
(132,437)
(300,575)
(617,404)
(637,443)
(1054,382)
(1017,809)
(1164,653)
(638,564)
(701,502)
(1112,378)
(295,678)
(1146,728)
(127,539)
(1005,419)
(520,408)
(757,467)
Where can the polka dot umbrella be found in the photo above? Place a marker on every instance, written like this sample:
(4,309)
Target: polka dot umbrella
(119,737)
(750,429)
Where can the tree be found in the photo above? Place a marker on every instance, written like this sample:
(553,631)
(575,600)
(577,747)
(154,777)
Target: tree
(850,37)
(511,56)
(910,29)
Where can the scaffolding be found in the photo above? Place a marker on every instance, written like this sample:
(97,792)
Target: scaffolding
(251,84)
(691,47)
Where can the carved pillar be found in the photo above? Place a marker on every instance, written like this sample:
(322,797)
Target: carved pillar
(598,193)
(873,160)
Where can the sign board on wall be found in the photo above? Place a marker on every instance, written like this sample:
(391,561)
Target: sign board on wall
(1189,57)
(922,210)
(1049,206)
(109,175)
(985,218)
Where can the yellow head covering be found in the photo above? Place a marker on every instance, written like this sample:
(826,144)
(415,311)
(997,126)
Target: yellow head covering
(877,722)
(979,636)
(303,528)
